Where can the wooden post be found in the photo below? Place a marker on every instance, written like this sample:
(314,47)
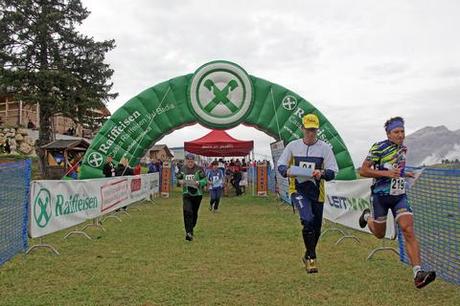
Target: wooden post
(262,179)
(165,179)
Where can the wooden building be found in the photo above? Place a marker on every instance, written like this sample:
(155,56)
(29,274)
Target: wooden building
(18,114)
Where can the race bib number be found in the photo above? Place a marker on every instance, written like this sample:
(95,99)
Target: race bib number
(215,179)
(397,186)
(307,165)
(189,181)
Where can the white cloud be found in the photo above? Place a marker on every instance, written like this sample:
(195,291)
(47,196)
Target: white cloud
(358,62)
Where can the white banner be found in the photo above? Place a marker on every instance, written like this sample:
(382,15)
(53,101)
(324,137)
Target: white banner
(56,205)
(345,201)
(281,183)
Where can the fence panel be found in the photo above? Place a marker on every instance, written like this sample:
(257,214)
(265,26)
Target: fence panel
(14,202)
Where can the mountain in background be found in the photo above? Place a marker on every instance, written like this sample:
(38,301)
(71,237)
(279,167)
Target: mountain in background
(431,145)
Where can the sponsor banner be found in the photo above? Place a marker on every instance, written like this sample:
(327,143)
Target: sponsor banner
(345,201)
(262,179)
(115,191)
(56,205)
(282,184)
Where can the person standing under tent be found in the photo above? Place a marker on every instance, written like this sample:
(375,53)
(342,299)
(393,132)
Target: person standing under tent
(244,176)
(237,175)
(216,184)
(309,162)
(193,179)
(386,163)
(221,165)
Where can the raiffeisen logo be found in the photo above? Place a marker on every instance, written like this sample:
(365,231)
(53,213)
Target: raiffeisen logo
(220,94)
(45,207)
(75,203)
(42,208)
(116,131)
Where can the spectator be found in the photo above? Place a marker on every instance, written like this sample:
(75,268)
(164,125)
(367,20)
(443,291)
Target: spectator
(237,177)
(109,169)
(154,166)
(137,169)
(123,168)
(7,146)
(30,125)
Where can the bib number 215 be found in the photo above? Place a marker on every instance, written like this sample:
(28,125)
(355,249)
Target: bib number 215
(398,186)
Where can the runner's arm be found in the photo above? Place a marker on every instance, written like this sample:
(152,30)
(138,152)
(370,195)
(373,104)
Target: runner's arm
(367,171)
(284,160)
(330,165)
(202,179)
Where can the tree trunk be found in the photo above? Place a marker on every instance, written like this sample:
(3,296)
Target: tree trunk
(45,132)
(45,136)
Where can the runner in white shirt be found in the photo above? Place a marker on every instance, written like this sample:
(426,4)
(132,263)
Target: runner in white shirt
(309,162)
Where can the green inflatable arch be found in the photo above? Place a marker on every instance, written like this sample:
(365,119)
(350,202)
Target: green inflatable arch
(219,95)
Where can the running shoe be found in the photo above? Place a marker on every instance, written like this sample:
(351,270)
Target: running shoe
(362,221)
(310,265)
(423,278)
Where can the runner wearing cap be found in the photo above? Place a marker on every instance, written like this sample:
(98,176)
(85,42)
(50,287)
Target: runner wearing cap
(192,178)
(386,163)
(309,162)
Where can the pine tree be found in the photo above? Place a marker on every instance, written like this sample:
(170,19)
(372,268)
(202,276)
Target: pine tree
(45,60)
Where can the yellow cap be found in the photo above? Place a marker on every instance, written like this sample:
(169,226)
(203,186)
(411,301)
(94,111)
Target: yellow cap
(310,121)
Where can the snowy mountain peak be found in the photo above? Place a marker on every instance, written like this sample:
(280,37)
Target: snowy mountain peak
(430,145)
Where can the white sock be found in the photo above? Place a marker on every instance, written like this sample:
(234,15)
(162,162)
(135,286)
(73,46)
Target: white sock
(415,269)
(366,216)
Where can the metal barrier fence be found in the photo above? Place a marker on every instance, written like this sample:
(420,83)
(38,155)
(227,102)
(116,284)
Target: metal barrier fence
(14,202)
(435,200)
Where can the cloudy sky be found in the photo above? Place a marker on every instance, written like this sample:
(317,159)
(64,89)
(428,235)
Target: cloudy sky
(358,62)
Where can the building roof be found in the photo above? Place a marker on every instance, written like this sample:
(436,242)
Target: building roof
(161,147)
(74,144)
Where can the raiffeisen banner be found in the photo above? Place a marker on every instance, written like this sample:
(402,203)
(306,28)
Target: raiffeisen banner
(57,205)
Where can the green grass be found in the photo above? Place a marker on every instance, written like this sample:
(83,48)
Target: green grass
(248,254)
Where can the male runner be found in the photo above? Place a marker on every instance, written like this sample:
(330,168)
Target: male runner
(386,163)
(317,161)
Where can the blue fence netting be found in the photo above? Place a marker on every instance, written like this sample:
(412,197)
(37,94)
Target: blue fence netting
(271,179)
(14,202)
(435,200)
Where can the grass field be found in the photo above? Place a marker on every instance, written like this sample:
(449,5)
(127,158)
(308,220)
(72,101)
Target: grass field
(248,254)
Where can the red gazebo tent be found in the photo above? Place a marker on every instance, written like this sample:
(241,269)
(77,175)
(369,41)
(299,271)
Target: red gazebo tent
(218,143)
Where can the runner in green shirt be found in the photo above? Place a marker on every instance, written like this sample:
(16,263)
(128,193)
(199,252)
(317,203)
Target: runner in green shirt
(192,179)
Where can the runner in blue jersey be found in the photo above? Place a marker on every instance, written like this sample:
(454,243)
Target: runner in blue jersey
(216,184)
(386,163)
(309,162)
